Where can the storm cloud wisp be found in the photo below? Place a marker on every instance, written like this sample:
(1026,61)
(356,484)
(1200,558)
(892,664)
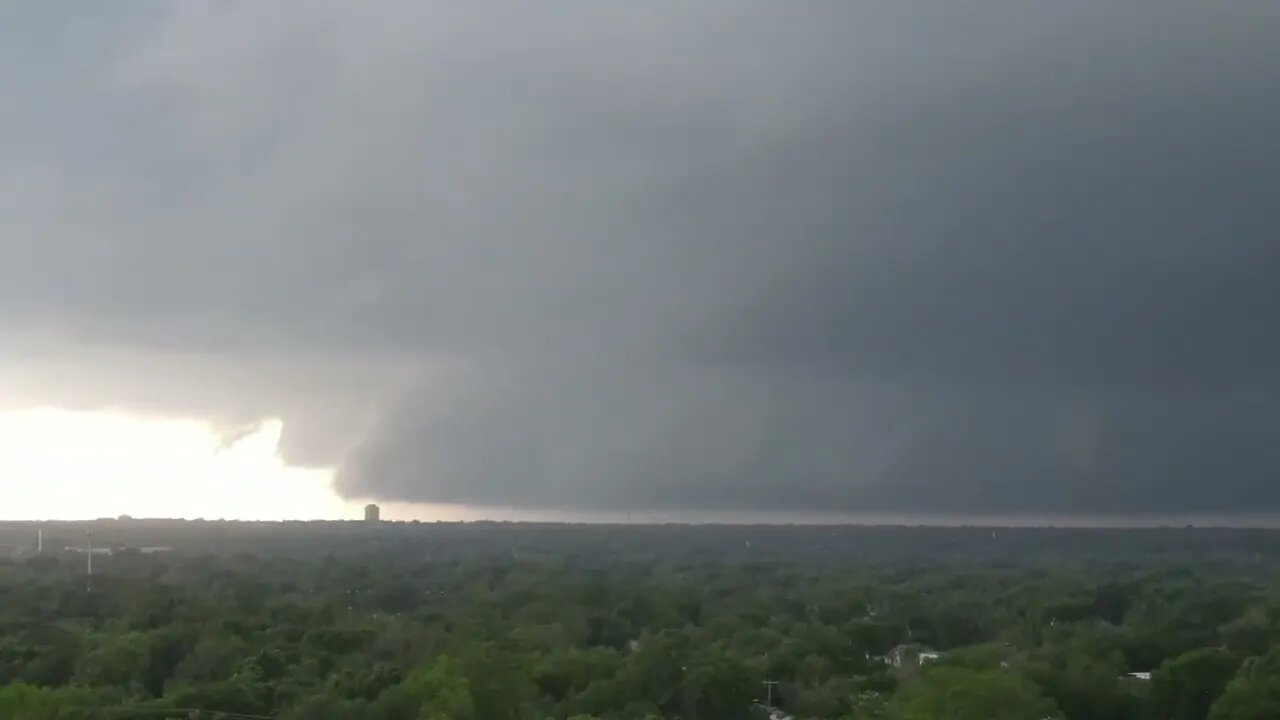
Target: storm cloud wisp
(715,255)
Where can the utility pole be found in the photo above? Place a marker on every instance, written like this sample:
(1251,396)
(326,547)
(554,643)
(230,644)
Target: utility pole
(768,689)
(88,582)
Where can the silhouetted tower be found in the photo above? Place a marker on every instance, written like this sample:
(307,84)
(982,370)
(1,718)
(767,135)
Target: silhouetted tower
(372,513)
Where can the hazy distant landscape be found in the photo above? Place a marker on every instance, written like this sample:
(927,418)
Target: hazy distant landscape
(825,544)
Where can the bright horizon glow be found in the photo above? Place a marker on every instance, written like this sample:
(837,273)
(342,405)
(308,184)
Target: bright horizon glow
(70,465)
(58,464)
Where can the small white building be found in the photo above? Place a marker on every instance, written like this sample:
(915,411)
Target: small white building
(907,655)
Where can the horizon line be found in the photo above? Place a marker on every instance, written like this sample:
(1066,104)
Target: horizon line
(1241,521)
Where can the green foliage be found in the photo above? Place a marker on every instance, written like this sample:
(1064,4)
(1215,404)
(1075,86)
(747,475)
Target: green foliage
(1085,685)
(868,705)
(1250,634)
(958,693)
(19,701)
(115,660)
(1254,692)
(515,622)
(990,656)
(24,702)
(718,685)
(441,691)
(1186,687)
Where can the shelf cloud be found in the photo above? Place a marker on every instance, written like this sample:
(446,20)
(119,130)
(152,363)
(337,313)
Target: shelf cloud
(980,256)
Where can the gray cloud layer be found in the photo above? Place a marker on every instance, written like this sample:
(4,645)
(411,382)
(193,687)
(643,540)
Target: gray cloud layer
(838,255)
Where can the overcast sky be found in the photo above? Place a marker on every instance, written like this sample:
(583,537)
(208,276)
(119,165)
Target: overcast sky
(936,256)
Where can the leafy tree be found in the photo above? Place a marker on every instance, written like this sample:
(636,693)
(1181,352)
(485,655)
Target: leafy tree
(958,693)
(1085,686)
(118,660)
(25,702)
(1250,634)
(1186,687)
(213,658)
(1254,693)
(441,691)
(720,686)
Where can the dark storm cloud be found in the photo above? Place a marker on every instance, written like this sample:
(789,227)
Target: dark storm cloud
(954,256)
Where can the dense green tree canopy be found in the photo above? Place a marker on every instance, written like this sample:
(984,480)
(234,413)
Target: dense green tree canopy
(957,693)
(525,622)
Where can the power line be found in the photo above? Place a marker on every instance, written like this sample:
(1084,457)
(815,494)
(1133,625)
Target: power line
(769,686)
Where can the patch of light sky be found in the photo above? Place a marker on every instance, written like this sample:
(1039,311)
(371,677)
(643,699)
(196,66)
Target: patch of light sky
(59,464)
(64,464)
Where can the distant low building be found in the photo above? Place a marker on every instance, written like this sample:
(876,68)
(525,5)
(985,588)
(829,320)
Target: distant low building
(372,513)
(911,656)
(153,549)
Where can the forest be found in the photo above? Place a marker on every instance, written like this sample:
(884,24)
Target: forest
(510,621)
